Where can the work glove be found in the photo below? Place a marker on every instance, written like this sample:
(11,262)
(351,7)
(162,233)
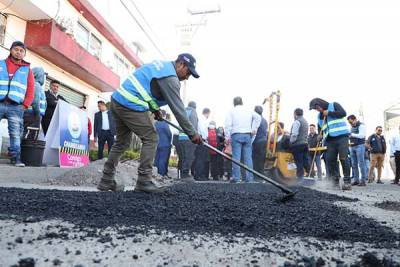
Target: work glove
(157,115)
(196,139)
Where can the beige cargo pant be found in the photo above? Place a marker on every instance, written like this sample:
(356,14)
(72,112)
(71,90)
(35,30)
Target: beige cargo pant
(127,122)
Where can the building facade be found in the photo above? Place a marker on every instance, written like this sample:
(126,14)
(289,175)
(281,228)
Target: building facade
(73,43)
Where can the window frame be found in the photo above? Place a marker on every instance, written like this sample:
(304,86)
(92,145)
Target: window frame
(3,34)
(90,37)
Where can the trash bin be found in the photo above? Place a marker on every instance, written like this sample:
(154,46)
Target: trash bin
(32,152)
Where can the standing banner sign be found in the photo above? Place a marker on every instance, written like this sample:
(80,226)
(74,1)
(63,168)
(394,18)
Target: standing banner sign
(67,137)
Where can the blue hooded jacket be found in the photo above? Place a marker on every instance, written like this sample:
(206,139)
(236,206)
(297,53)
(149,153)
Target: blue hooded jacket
(39,104)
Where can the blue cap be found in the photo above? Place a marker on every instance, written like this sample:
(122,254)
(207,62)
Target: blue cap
(18,43)
(190,62)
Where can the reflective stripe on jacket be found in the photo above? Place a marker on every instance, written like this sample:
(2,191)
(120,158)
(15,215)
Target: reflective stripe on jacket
(135,92)
(14,89)
(333,126)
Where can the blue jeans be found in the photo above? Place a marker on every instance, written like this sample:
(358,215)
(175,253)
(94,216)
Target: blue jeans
(14,115)
(161,160)
(241,143)
(358,163)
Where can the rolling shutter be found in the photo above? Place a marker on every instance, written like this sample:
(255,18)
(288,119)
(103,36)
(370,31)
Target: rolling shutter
(72,96)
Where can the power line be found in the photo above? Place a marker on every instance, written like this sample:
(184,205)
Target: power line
(143,18)
(145,32)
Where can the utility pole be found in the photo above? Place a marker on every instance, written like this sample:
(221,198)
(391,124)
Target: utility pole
(187,33)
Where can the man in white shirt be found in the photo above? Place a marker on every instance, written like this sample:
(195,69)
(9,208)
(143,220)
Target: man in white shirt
(241,125)
(202,157)
(104,128)
(395,152)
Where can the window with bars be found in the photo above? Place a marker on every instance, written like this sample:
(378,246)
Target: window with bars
(72,96)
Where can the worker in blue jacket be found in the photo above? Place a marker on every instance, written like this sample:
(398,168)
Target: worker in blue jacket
(147,89)
(332,123)
(34,113)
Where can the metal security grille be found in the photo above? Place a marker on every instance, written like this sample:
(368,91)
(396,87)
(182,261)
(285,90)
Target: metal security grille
(72,96)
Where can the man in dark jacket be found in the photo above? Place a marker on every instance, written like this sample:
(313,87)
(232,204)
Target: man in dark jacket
(52,97)
(104,128)
(298,142)
(260,143)
(357,150)
(377,145)
(331,120)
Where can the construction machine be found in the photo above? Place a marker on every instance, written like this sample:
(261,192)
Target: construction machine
(279,162)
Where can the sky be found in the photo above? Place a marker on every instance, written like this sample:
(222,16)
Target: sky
(343,51)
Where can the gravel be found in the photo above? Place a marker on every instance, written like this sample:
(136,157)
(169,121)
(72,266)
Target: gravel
(90,175)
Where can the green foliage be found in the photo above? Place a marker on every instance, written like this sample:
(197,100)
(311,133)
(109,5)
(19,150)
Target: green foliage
(93,154)
(173,162)
(131,154)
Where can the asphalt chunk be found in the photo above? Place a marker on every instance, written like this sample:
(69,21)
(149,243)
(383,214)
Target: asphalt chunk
(388,205)
(26,262)
(253,210)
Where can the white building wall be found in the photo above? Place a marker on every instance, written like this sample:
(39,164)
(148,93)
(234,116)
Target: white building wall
(15,30)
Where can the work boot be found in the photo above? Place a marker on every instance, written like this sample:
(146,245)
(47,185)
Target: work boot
(148,187)
(346,187)
(110,185)
(341,182)
(166,177)
(187,178)
(362,184)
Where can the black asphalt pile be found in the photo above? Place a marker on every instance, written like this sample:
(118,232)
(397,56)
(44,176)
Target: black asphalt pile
(225,209)
(366,260)
(389,205)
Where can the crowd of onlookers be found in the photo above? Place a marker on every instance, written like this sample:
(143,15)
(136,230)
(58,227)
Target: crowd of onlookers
(244,135)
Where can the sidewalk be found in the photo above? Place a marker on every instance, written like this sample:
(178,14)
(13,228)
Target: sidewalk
(30,175)
(84,178)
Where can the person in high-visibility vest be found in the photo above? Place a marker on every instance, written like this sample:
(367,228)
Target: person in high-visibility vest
(332,123)
(34,113)
(16,95)
(143,93)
